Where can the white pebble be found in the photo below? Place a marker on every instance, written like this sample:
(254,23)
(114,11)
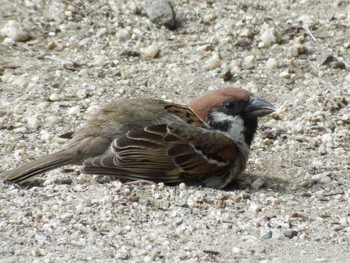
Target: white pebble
(147,259)
(8,41)
(68,13)
(296,50)
(327,138)
(123,35)
(182,186)
(33,123)
(284,74)
(74,110)
(323,178)
(54,97)
(12,30)
(249,62)
(81,93)
(191,202)
(45,136)
(226,217)
(254,208)
(345,117)
(152,51)
(271,63)
(100,60)
(51,120)
(277,234)
(213,62)
(344,221)
(270,36)
(208,18)
(267,141)
(236,250)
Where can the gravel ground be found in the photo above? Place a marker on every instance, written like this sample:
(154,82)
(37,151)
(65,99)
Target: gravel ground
(61,59)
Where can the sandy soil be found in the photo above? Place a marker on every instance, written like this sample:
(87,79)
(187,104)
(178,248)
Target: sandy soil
(291,205)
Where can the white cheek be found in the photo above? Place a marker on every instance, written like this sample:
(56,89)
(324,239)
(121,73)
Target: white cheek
(222,117)
(236,129)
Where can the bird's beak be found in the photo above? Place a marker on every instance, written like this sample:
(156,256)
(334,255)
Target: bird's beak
(258,108)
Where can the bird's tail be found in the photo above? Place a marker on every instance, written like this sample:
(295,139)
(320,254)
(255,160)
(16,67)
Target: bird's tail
(39,166)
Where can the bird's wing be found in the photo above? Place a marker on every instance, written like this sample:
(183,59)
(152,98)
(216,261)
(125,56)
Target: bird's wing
(185,114)
(201,153)
(183,150)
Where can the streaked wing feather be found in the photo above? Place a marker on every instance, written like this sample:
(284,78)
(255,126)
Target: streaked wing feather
(198,159)
(171,153)
(139,154)
(208,142)
(186,115)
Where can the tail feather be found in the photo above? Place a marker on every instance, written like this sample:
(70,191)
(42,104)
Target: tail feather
(39,166)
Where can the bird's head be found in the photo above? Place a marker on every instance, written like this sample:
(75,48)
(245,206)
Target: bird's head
(232,110)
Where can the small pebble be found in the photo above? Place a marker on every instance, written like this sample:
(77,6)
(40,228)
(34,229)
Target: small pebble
(74,110)
(249,62)
(257,184)
(236,250)
(277,234)
(33,123)
(247,32)
(213,62)
(208,18)
(54,97)
(8,41)
(284,74)
(267,141)
(123,35)
(266,234)
(206,47)
(323,178)
(290,233)
(51,45)
(271,63)
(13,30)
(296,50)
(135,9)
(45,136)
(344,221)
(270,36)
(161,12)
(226,73)
(81,93)
(151,52)
(191,202)
(182,186)
(226,217)
(254,208)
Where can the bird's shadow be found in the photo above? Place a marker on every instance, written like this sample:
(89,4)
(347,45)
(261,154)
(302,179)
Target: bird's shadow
(244,182)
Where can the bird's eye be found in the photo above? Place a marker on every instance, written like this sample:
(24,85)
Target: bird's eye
(229,105)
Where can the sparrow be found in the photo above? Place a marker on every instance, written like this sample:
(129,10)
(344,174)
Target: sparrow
(206,143)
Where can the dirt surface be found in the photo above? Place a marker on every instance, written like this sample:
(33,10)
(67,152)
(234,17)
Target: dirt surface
(291,205)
